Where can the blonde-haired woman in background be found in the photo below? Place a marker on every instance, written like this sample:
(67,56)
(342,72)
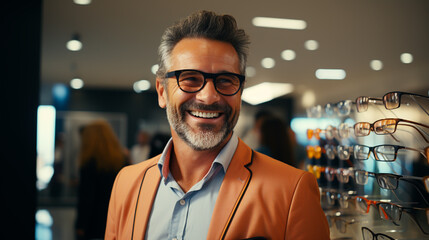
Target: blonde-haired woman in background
(101,158)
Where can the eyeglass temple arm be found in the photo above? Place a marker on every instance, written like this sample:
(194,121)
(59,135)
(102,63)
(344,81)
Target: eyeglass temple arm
(375,100)
(408,178)
(418,130)
(417,150)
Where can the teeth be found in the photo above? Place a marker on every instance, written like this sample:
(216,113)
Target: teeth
(205,114)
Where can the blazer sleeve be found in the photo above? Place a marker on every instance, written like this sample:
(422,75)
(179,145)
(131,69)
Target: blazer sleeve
(112,218)
(306,218)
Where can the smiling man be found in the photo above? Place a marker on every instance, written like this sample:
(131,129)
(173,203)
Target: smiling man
(207,183)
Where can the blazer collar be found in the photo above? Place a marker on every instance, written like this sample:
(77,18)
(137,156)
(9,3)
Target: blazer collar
(234,186)
(146,196)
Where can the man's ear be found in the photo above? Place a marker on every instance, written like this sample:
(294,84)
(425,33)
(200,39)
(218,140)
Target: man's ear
(162,97)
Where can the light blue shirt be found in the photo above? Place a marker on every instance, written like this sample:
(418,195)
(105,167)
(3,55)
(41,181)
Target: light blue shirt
(179,215)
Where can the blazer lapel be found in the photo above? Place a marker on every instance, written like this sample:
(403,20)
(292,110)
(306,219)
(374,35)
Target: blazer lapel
(234,185)
(147,193)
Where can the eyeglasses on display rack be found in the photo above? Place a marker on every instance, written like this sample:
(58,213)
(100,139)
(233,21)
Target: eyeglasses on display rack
(393,212)
(314,152)
(387,180)
(342,108)
(192,81)
(315,170)
(391,100)
(343,174)
(367,234)
(314,111)
(342,198)
(391,181)
(384,153)
(342,151)
(385,126)
(331,132)
(340,222)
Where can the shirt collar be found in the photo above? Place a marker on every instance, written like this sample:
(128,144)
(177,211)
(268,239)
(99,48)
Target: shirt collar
(223,158)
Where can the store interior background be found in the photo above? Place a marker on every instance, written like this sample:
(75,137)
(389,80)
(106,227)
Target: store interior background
(120,41)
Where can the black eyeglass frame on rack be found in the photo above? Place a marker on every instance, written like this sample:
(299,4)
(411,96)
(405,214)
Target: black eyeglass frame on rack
(374,236)
(363,155)
(391,100)
(390,181)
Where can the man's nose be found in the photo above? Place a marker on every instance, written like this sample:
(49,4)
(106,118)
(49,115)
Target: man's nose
(208,94)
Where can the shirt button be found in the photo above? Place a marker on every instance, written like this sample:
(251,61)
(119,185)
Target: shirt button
(182,202)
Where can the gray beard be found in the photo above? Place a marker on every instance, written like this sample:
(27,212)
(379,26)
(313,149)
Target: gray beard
(207,137)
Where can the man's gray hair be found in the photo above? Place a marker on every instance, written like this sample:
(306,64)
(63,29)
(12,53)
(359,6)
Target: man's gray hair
(203,24)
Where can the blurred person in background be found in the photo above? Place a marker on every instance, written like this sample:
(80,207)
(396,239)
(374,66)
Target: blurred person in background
(141,150)
(251,136)
(101,158)
(275,140)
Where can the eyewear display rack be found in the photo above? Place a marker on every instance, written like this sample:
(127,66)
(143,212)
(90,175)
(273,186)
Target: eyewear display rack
(370,158)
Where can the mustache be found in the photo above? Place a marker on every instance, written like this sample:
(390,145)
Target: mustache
(204,107)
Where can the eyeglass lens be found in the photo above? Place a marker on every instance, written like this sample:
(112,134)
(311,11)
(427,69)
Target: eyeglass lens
(391,100)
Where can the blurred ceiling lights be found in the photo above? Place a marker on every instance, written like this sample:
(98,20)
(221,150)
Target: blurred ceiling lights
(376,65)
(268,62)
(76,83)
(141,86)
(288,55)
(293,24)
(265,92)
(82,2)
(406,58)
(74,44)
(331,74)
(154,69)
(311,45)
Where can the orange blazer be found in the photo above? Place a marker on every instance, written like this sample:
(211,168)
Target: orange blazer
(259,197)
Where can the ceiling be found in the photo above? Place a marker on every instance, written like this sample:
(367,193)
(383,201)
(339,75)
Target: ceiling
(120,41)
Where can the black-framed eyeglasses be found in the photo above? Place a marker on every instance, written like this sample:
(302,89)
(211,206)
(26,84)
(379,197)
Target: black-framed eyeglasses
(390,181)
(384,152)
(367,234)
(192,81)
(391,100)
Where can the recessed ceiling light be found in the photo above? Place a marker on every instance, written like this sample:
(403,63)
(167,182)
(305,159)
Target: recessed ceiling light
(82,2)
(265,92)
(283,23)
(76,83)
(331,74)
(268,62)
(311,45)
(288,55)
(154,68)
(406,58)
(74,45)
(376,65)
(141,86)
(250,71)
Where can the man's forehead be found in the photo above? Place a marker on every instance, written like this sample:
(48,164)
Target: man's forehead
(201,51)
